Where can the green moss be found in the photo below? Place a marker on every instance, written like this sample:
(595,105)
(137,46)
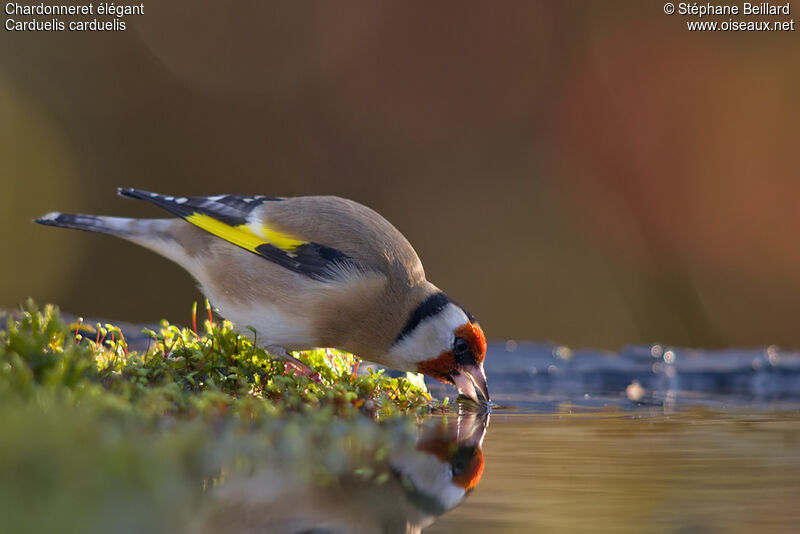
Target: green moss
(186,374)
(96,438)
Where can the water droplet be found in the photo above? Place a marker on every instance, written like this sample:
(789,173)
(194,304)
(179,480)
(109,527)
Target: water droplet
(772,355)
(563,352)
(634,391)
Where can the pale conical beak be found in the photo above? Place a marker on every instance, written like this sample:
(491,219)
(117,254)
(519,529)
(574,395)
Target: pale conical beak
(469,378)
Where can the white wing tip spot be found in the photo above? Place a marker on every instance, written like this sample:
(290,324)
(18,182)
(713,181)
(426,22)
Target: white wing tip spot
(52,216)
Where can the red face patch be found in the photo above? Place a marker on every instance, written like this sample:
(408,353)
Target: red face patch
(470,476)
(441,366)
(473,334)
(444,449)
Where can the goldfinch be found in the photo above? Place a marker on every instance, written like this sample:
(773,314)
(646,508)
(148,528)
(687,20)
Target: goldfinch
(406,493)
(308,272)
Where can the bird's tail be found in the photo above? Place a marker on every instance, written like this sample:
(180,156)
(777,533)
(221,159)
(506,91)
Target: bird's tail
(158,235)
(118,226)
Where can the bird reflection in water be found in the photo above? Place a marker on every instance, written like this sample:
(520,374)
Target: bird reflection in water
(405,491)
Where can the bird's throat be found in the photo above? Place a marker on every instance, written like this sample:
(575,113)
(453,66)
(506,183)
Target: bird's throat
(439,367)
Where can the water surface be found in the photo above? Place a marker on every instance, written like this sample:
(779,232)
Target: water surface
(648,440)
(651,439)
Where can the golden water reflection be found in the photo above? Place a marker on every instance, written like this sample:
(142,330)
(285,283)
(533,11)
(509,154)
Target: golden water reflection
(697,471)
(403,491)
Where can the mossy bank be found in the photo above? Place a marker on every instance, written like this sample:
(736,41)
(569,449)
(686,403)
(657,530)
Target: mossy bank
(94,437)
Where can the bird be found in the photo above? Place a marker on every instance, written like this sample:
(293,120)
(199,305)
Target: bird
(310,272)
(407,491)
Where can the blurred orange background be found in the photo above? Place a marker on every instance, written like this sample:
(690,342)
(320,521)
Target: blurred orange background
(585,172)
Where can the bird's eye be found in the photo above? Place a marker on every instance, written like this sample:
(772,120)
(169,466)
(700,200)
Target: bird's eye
(460,347)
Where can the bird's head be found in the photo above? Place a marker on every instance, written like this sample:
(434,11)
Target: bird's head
(442,340)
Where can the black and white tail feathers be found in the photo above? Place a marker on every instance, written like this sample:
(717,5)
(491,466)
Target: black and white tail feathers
(119,226)
(157,235)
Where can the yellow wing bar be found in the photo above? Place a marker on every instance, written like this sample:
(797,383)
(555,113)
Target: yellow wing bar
(226,216)
(244,235)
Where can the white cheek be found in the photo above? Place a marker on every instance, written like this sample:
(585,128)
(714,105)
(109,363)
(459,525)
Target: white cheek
(429,339)
(424,344)
(430,476)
